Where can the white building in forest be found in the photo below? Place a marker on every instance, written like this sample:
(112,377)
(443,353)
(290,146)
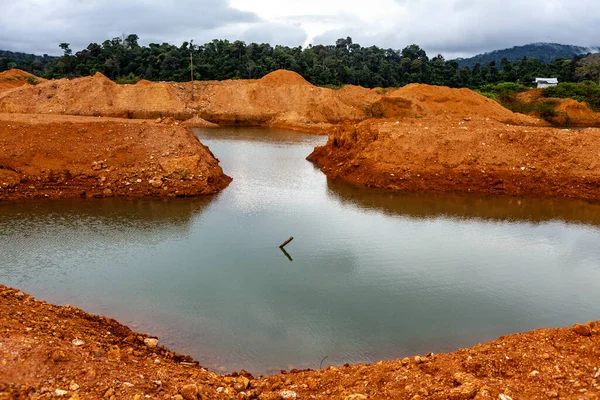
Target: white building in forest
(546,82)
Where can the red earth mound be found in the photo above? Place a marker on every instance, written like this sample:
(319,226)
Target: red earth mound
(48,156)
(281,98)
(14,78)
(465,155)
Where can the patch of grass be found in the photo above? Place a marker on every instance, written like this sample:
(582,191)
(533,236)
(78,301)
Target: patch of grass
(332,87)
(501,92)
(129,79)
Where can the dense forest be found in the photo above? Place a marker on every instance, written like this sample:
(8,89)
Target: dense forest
(345,62)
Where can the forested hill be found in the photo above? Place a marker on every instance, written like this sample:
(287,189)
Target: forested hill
(124,60)
(37,65)
(545,52)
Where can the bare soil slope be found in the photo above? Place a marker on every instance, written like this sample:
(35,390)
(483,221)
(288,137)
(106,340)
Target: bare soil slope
(418,100)
(62,352)
(54,156)
(568,112)
(14,78)
(281,98)
(465,155)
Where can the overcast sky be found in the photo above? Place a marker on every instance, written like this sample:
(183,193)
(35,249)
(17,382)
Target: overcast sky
(450,27)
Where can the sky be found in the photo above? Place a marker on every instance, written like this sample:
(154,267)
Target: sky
(453,28)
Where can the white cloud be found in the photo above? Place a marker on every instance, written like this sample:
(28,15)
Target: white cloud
(452,27)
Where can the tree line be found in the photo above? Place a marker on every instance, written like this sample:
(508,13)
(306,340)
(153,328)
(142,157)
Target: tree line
(122,59)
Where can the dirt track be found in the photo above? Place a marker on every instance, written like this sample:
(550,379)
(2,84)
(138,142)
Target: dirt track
(49,351)
(57,156)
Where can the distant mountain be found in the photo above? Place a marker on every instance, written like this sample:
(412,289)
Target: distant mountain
(545,52)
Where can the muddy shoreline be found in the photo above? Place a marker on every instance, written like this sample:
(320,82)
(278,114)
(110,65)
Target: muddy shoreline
(58,140)
(53,351)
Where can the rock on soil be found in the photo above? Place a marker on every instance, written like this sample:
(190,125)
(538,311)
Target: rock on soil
(48,156)
(464,155)
(38,360)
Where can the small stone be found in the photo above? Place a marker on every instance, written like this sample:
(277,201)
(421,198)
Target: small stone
(418,360)
(405,361)
(107,192)
(242,383)
(356,396)
(189,392)
(534,373)
(288,394)
(77,342)
(503,396)
(19,295)
(546,356)
(582,330)
(552,394)
(109,393)
(73,386)
(60,392)
(156,182)
(151,342)
(178,397)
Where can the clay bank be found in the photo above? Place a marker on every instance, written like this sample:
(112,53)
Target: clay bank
(417,137)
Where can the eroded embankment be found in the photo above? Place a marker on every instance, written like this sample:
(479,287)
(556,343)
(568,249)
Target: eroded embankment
(565,112)
(279,99)
(464,155)
(51,351)
(54,156)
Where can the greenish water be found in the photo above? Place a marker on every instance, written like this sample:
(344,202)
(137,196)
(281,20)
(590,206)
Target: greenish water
(374,275)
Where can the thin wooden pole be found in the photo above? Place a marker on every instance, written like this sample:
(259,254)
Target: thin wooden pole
(192,66)
(282,245)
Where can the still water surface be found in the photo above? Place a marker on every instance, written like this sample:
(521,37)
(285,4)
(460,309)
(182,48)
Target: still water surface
(373,275)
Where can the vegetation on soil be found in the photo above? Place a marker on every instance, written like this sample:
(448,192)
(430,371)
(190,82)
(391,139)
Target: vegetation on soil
(586,91)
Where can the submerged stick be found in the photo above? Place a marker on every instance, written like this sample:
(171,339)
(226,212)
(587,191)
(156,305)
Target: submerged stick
(286,254)
(286,242)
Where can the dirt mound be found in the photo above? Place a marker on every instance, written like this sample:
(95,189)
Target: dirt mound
(570,112)
(143,82)
(283,77)
(52,351)
(92,157)
(96,95)
(473,155)
(15,73)
(281,98)
(419,100)
(15,78)
(197,122)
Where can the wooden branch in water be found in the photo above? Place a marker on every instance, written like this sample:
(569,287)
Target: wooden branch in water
(286,254)
(286,242)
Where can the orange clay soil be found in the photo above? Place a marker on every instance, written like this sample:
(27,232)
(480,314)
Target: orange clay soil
(464,155)
(58,156)
(49,351)
(15,78)
(568,112)
(281,99)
